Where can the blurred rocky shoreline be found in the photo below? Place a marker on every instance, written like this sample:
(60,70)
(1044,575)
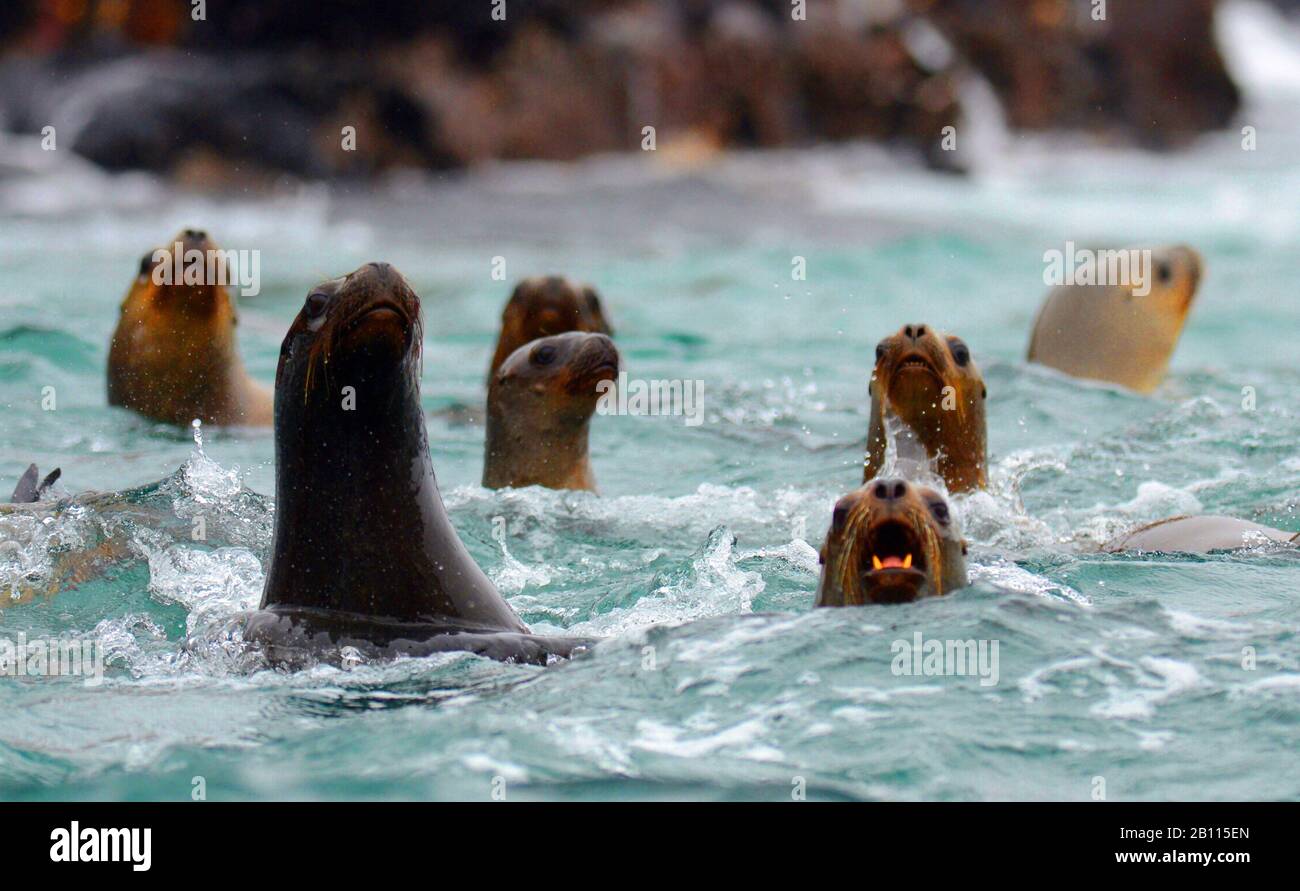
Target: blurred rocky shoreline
(263,89)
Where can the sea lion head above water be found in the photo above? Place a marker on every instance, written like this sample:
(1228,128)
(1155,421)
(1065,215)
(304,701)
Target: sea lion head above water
(930,383)
(360,527)
(1114,333)
(891,541)
(545,305)
(173,356)
(540,403)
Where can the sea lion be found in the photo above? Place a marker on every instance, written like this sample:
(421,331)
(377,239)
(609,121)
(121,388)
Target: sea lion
(173,356)
(1198,535)
(363,553)
(891,541)
(546,305)
(932,386)
(1109,333)
(540,403)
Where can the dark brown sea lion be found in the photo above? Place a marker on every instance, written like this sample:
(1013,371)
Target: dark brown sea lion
(891,542)
(173,356)
(931,385)
(1194,535)
(364,554)
(1109,333)
(546,305)
(540,403)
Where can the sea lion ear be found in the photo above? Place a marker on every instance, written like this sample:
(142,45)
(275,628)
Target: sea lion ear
(516,296)
(963,547)
(984,391)
(594,307)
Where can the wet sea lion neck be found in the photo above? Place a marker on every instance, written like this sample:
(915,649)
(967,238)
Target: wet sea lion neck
(518,454)
(360,524)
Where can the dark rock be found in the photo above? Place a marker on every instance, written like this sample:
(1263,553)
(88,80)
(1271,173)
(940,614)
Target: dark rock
(268,85)
(1150,70)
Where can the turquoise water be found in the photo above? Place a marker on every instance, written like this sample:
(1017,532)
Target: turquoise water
(702,543)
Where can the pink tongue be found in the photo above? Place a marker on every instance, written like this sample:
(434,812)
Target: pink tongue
(891,562)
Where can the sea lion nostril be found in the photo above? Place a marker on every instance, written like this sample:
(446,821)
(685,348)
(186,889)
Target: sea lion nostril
(195,234)
(920,331)
(899,489)
(881,490)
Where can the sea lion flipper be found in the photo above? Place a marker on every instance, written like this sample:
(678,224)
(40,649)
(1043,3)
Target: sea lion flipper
(50,479)
(29,490)
(26,490)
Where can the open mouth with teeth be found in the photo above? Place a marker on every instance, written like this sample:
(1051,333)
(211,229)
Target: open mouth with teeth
(915,361)
(893,563)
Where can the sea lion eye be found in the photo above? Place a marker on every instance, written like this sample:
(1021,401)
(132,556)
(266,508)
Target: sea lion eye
(146,264)
(840,514)
(880,351)
(1163,272)
(316,303)
(960,354)
(940,511)
(544,355)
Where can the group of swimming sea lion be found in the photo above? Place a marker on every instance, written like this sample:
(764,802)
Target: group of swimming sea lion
(364,554)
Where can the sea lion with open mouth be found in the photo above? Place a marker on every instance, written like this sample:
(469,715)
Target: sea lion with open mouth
(1200,534)
(545,305)
(891,541)
(173,356)
(540,403)
(364,554)
(931,384)
(1109,333)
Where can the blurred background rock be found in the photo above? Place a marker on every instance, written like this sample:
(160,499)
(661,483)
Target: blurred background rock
(262,88)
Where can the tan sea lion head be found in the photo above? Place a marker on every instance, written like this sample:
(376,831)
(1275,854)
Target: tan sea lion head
(891,541)
(540,404)
(1120,333)
(546,305)
(930,383)
(173,356)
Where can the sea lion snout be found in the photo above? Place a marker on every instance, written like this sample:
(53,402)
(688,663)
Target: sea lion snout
(889,490)
(595,359)
(374,304)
